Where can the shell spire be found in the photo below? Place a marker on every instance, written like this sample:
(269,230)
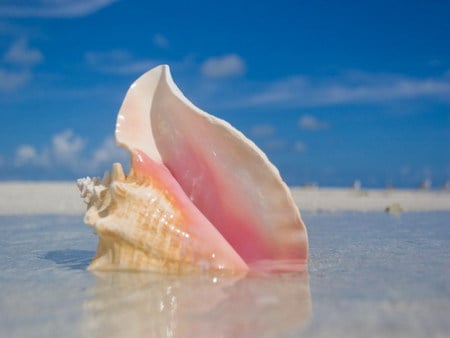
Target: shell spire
(144,227)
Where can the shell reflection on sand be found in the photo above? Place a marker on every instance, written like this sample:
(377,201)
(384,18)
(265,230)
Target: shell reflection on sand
(154,305)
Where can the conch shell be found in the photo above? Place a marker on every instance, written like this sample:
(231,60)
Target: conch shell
(200,196)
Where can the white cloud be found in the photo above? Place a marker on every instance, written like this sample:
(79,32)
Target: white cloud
(25,153)
(160,41)
(262,130)
(108,153)
(66,150)
(17,65)
(28,155)
(51,8)
(67,147)
(275,145)
(119,62)
(300,147)
(225,66)
(283,90)
(349,88)
(13,80)
(23,55)
(310,122)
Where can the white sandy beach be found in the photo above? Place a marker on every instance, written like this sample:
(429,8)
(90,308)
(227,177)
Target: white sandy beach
(63,198)
(340,199)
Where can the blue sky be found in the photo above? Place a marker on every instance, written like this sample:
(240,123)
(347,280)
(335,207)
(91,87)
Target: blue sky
(332,92)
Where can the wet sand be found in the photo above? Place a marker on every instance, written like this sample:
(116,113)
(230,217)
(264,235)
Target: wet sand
(25,198)
(370,274)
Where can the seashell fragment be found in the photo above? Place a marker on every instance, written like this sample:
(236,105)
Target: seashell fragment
(200,196)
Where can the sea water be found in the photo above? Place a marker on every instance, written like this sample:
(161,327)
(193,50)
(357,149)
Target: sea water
(369,274)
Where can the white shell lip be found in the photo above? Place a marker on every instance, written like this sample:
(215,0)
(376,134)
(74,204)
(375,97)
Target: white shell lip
(133,106)
(146,122)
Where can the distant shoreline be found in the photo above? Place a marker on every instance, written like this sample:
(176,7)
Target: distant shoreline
(63,198)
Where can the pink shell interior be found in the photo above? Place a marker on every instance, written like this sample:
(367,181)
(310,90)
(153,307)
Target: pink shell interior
(225,175)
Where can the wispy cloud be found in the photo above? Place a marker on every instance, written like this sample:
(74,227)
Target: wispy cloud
(275,144)
(262,130)
(160,41)
(300,147)
(119,62)
(20,53)
(269,141)
(349,88)
(51,8)
(310,122)
(17,63)
(224,66)
(12,80)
